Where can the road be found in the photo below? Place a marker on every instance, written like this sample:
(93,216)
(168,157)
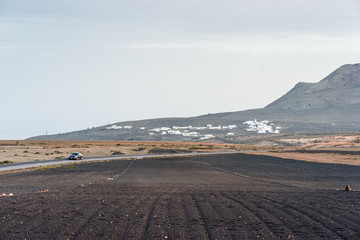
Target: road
(24,165)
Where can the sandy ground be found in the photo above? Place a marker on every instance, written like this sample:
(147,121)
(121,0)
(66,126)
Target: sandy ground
(233,196)
(330,143)
(316,157)
(327,142)
(30,150)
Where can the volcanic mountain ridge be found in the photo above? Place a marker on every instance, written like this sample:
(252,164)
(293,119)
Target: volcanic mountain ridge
(341,88)
(331,105)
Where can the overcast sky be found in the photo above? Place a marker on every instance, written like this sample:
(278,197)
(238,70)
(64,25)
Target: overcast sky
(72,64)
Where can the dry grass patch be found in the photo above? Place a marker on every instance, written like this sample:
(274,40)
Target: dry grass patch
(38,150)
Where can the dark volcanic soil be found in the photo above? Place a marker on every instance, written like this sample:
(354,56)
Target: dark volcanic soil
(231,196)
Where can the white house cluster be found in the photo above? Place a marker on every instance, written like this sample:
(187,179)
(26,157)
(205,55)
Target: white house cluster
(190,131)
(264,126)
(187,131)
(119,127)
(207,132)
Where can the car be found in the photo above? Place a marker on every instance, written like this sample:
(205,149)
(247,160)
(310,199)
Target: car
(76,156)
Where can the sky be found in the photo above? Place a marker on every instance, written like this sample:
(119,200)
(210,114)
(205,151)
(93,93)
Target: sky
(68,65)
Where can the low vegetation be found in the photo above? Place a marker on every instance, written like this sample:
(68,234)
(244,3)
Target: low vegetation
(16,150)
(70,167)
(6,161)
(201,147)
(138,149)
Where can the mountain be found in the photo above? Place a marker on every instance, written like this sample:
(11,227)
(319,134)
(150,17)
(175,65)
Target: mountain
(340,89)
(331,105)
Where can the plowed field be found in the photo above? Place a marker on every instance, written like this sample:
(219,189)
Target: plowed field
(232,196)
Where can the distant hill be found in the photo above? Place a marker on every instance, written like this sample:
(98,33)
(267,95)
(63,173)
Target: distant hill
(340,89)
(331,105)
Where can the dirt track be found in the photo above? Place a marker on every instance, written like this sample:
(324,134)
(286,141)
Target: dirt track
(215,197)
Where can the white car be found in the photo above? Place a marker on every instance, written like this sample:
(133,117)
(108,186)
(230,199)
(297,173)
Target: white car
(76,156)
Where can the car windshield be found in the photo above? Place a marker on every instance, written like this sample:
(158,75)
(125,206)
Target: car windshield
(74,154)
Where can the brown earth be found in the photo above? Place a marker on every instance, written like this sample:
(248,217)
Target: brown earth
(327,142)
(337,149)
(37,150)
(335,158)
(233,196)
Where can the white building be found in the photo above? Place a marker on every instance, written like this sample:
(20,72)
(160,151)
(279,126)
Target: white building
(114,127)
(261,127)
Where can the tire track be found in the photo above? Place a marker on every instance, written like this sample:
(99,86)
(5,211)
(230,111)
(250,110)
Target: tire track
(320,224)
(336,206)
(136,216)
(84,230)
(335,220)
(331,216)
(126,170)
(151,226)
(258,180)
(116,220)
(25,221)
(273,227)
(110,215)
(195,226)
(280,220)
(177,218)
(202,217)
(63,221)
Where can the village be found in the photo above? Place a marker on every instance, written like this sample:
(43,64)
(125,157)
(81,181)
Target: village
(190,131)
(185,131)
(261,127)
(205,132)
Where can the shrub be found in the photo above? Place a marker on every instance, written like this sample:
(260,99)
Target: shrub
(200,148)
(6,161)
(70,167)
(138,149)
(117,153)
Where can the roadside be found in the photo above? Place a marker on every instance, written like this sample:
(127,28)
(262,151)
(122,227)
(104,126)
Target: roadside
(305,147)
(33,150)
(336,149)
(335,158)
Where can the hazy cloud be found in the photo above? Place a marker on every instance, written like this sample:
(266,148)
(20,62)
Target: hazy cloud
(217,52)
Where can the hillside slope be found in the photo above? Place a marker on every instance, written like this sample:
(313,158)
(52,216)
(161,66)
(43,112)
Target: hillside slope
(331,105)
(340,89)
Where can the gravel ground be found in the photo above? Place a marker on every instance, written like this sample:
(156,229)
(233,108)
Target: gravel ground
(233,196)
